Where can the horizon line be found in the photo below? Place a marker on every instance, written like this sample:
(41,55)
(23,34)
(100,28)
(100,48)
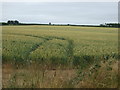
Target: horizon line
(57,23)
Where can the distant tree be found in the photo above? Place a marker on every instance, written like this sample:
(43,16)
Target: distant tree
(3,23)
(110,25)
(10,22)
(102,25)
(16,22)
(49,23)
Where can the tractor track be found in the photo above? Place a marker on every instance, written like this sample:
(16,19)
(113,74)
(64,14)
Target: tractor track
(69,48)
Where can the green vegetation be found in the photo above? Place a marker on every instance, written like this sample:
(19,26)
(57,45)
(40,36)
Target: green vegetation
(83,49)
(58,44)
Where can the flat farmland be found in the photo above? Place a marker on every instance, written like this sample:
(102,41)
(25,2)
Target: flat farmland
(58,48)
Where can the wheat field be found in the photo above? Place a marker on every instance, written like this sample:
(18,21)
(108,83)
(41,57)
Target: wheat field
(59,56)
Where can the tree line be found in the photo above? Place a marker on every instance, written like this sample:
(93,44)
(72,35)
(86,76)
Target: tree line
(110,25)
(10,22)
(16,22)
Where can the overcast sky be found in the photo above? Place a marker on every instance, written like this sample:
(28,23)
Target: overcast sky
(61,12)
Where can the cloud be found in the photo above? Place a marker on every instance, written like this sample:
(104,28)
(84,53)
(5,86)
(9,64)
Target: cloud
(62,12)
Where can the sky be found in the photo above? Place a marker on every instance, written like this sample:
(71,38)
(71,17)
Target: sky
(60,12)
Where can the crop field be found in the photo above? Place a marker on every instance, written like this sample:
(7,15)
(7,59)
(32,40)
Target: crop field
(70,52)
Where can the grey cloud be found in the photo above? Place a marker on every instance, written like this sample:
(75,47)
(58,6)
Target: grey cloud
(61,12)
